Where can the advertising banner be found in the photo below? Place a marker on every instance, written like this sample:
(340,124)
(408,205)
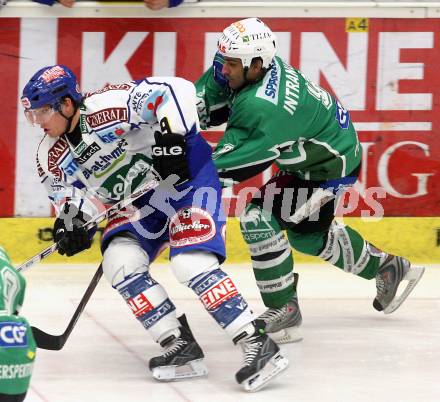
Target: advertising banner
(415,238)
(384,71)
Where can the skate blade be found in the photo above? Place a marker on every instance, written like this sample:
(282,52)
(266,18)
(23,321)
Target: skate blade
(287,335)
(195,368)
(273,367)
(413,276)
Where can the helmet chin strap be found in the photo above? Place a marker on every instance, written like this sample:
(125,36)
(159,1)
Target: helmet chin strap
(249,82)
(69,119)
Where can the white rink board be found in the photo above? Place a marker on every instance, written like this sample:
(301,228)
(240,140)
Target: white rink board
(229,9)
(349,353)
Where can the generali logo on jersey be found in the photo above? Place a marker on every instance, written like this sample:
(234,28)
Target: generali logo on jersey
(106,116)
(219,293)
(55,154)
(39,169)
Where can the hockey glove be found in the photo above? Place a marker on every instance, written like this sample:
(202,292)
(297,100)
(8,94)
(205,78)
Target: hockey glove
(69,233)
(217,65)
(169,156)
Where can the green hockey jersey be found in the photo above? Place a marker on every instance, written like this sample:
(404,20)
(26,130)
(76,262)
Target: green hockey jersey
(17,344)
(284,119)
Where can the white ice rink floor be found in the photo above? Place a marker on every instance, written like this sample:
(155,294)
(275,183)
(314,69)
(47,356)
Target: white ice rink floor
(350,352)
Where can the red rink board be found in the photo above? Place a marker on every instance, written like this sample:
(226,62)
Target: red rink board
(405,162)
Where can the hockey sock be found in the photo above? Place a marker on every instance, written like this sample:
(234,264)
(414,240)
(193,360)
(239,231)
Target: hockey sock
(222,300)
(150,304)
(271,255)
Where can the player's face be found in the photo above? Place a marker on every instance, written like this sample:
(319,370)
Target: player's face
(50,120)
(53,126)
(233,71)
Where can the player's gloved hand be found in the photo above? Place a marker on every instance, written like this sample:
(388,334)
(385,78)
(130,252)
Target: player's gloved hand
(68,231)
(169,156)
(217,65)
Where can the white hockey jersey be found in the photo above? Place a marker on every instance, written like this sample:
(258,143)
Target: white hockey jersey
(117,125)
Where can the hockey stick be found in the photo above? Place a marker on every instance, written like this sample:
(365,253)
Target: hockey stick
(56,342)
(97,219)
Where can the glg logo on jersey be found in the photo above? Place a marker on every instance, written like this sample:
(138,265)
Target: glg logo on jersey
(13,335)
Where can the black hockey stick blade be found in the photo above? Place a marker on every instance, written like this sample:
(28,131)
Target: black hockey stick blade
(56,342)
(47,341)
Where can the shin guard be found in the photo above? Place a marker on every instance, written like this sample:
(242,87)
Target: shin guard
(346,249)
(150,304)
(222,300)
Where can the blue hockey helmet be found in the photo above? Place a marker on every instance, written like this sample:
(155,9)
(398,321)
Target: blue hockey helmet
(48,86)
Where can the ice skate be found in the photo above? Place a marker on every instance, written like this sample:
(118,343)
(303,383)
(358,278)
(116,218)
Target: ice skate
(182,357)
(262,359)
(282,324)
(388,280)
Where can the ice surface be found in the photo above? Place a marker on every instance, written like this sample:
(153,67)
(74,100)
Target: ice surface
(350,352)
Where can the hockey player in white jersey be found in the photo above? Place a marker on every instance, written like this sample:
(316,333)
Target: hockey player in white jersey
(101,147)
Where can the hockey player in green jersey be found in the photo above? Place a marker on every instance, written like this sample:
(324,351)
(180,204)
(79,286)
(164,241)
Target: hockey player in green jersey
(276,115)
(17,344)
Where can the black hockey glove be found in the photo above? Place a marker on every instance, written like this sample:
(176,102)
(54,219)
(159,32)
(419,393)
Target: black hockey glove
(69,233)
(169,156)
